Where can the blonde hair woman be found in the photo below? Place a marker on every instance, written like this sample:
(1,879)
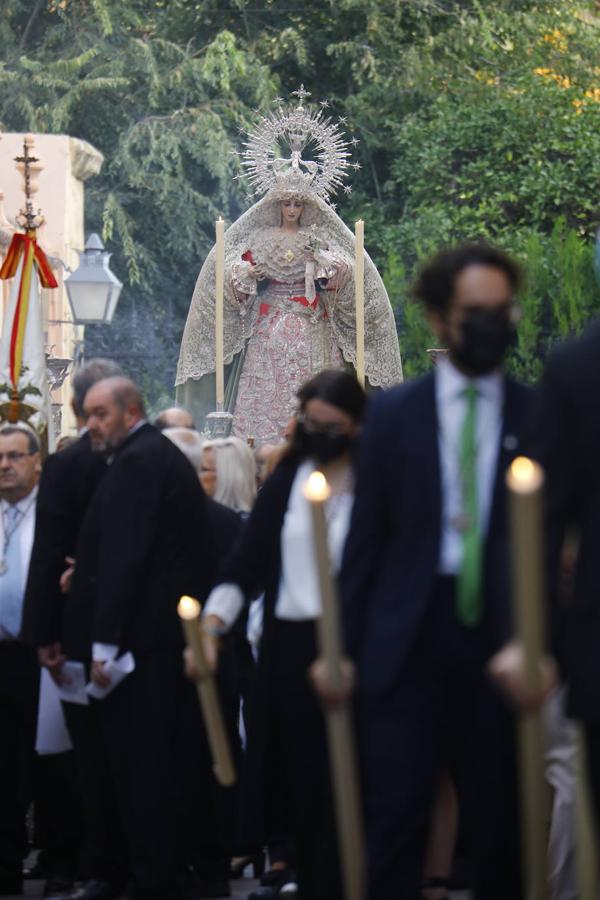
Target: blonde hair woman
(228,473)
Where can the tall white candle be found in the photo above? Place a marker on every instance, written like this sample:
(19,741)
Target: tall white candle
(359,288)
(219,324)
(338,720)
(525,480)
(218,740)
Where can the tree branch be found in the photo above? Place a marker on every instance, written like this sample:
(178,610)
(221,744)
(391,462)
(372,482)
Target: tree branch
(30,23)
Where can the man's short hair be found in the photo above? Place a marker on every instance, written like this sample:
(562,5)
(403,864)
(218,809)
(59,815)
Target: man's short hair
(125,393)
(33,441)
(436,281)
(87,375)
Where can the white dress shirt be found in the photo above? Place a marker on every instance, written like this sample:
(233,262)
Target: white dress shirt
(298,596)
(24,534)
(451,405)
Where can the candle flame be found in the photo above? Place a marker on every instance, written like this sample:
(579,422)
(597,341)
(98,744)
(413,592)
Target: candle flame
(188,608)
(316,489)
(525,476)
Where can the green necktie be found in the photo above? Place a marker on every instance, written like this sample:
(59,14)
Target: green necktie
(469,600)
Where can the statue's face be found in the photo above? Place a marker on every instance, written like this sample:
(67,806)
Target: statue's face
(291,210)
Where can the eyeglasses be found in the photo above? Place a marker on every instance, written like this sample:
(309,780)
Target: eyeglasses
(14,456)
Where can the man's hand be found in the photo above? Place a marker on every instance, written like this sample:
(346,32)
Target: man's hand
(507,670)
(98,675)
(67,576)
(332,695)
(210,644)
(52,658)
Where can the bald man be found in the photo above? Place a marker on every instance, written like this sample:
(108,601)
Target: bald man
(145,541)
(173,417)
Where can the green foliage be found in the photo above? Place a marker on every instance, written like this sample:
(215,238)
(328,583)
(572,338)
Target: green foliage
(475,120)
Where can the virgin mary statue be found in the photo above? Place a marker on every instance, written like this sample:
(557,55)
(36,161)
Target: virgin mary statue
(289,284)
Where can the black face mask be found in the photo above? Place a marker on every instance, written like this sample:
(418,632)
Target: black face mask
(486,336)
(325,447)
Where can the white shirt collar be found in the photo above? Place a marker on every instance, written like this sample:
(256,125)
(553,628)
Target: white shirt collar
(451,382)
(24,503)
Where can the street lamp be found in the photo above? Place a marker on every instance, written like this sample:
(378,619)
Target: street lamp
(93,290)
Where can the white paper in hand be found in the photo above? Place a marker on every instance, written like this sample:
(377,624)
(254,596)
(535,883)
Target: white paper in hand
(116,670)
(74,690)
(52,735)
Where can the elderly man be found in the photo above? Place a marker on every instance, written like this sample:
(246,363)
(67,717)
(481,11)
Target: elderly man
(69,480)
(173,417)
(145,541)
(19,672)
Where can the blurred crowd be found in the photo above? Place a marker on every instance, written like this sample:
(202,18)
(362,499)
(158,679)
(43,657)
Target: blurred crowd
(107,769)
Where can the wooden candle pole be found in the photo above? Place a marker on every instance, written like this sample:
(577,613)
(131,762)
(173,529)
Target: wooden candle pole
(525,481)
(359,289)
(219,322)
(189,612)
(340,731)
(585,829)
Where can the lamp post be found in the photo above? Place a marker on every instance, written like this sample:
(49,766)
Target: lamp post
(93,290)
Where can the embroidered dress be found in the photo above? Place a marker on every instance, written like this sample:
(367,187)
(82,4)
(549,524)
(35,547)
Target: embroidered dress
(292,337)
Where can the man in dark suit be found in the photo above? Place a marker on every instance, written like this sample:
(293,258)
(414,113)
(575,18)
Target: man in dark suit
(424,585)
(68,482)
(567,442)
(145,541)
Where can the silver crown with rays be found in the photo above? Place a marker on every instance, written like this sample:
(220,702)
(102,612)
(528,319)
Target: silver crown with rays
(297,127)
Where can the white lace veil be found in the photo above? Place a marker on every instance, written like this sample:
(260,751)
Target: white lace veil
(383,367)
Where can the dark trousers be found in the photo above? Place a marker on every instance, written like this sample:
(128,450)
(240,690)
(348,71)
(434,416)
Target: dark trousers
(159,758)
(19,693)
(104,847)
(442,714)
(58,814)
(298,763)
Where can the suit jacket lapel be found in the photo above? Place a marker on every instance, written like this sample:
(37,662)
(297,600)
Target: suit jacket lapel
(430,446)
(509,445)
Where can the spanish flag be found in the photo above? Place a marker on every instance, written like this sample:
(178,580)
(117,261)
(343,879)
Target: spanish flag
(23,376)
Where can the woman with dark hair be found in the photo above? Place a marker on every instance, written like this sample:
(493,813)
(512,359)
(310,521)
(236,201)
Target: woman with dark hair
(287,753)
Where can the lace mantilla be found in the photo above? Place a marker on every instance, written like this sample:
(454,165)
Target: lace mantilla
(258,229)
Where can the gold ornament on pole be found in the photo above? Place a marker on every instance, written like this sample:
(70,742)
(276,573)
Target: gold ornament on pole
(338,719)
(189,612)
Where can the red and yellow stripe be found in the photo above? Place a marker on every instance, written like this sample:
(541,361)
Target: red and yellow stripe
(24,245)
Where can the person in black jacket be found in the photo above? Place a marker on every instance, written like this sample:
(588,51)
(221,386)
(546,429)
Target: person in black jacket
(145,541)
(425,596)
(567,442)
(288,778)
(68,481)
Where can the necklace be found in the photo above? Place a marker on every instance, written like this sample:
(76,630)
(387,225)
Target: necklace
(9,532)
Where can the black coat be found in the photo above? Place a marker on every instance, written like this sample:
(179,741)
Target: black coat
(568,444)
(392,552)
(146,540)
(68,481)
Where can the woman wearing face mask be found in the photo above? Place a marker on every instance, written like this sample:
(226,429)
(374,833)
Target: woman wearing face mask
(286,743)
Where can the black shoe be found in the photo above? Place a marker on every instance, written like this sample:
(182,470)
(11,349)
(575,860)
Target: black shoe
(11,881)
(96,890)
(275,877)
(8,887)
(58,887)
